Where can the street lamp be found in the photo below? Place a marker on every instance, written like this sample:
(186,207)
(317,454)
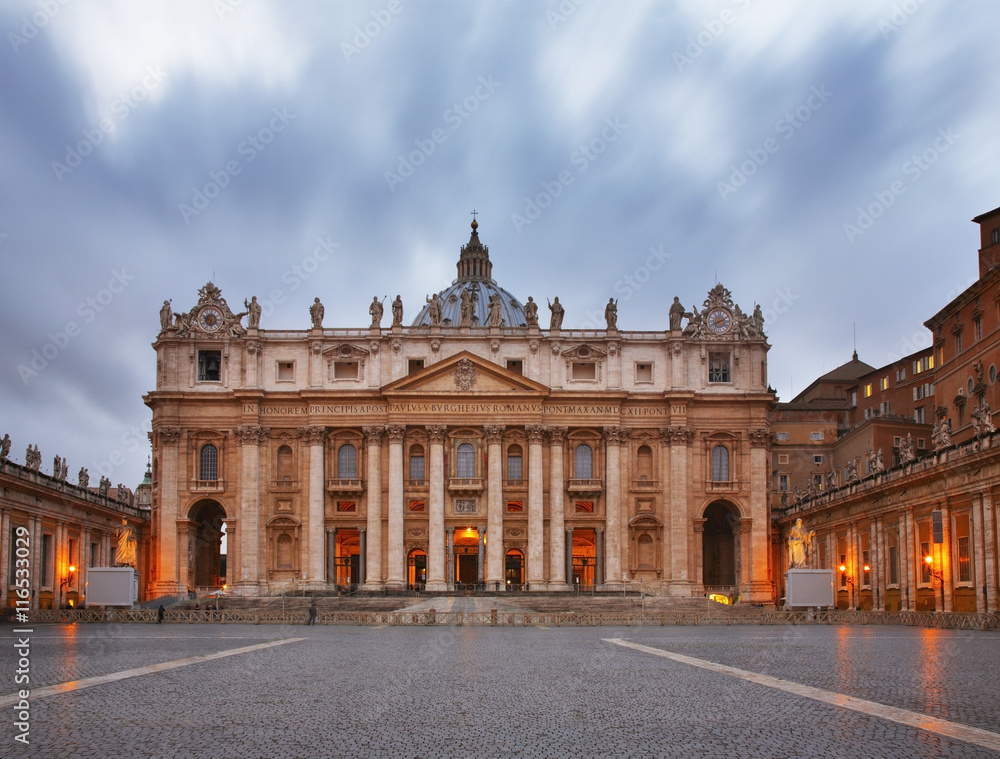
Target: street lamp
(935,574)
(848,580)
(64,583)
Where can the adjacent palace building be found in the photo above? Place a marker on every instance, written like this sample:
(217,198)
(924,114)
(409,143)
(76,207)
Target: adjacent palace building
(470,448)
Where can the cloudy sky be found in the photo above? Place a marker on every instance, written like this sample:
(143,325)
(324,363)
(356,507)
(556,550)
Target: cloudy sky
(821,159)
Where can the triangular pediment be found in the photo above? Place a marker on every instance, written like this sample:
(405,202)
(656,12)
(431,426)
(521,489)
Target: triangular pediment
(465,374)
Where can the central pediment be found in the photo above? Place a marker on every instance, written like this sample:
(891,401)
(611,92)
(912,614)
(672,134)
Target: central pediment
(465,374)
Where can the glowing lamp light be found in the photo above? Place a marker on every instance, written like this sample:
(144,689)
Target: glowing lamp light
(843,568)
(72,568)
(867,568)
(928,559)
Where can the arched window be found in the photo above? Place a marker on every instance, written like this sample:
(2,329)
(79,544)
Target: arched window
(515,468)
(644,463)
(347,462)
(208,463)
(417,471)
(720,464)
(286,470)
(465,461)
(583,462)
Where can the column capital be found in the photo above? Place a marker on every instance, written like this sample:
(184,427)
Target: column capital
(373,435)
(759,437)
(535,432)
(599,530)
(677,435)
(437,432)
(494,433)
(362,530)
(312,435)
(617,435)
(247,434)
(395,433)
(169,435)
(450,530)
(699,525)
(557,435)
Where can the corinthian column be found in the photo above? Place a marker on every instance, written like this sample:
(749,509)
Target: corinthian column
(249,437)
(314,437)
(680,519)
(166,516)
(371,542)
(395,574)
(557,509)
(760,455)
(435,529)
(494,505)
(536,519)
(615,437)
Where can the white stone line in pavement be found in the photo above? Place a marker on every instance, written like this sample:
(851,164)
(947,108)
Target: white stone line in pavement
(944,727)
(90,682)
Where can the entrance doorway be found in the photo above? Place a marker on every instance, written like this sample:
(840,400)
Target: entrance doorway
(417,569)
(467,557)
(514,570)
(207,530)
(584,559)
(719,547)
(347,564)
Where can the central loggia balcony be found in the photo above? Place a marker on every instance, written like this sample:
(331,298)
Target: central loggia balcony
(585,486)
(345,486)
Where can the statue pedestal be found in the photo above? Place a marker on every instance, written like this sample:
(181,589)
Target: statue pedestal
(808,587)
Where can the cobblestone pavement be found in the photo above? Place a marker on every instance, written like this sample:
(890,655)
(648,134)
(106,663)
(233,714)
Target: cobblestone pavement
(349,691)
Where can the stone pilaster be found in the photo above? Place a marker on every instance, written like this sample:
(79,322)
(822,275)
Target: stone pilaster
(435,530)
(371,553)
(761,589)
(313,561)
(558,579)
(167,574)
(536,519)
(943,561)
(909,567)
(396,571)
(698,526)
(681,583)
(614,438)
(989,526)
(245,573)
(494,503)
(568,556)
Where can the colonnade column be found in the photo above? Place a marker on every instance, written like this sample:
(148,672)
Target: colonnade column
(878,602)
(371,550)
(909,570)
(943,560)
(494,503)
(989,578)
(568,557)
(481,529)
(558,576)
(761,589)
(614,437)
(167,575)
(536,518)
(315,437)
(435,530)
(396,572)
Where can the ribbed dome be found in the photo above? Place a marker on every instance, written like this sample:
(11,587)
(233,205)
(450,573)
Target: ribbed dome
(475,272)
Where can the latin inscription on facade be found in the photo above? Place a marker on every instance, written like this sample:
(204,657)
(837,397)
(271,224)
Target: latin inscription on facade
(456,408)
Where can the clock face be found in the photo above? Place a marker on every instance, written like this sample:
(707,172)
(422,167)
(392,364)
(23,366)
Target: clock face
(719,321)
(210,319)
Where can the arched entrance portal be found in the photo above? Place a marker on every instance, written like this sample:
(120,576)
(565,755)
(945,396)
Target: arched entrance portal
(205,544)
(514,569)
(469,565)
(720,557)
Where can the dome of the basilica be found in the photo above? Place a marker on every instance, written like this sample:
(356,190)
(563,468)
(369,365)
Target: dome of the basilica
(475,281)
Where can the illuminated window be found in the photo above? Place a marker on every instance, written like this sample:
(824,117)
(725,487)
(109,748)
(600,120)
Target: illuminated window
(884,384)
(962,543)
(868,390)
(208,464)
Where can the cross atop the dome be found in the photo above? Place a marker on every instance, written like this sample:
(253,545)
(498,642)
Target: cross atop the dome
(474,212)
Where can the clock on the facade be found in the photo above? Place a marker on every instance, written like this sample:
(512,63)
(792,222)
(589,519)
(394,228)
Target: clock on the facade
(719,321)
(210,319)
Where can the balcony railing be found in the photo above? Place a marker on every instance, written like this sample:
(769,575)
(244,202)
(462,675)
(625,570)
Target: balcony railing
(516,483)
(344,486)
(645,484)
(465,484)
(286,485)
(208,486)
(585,486)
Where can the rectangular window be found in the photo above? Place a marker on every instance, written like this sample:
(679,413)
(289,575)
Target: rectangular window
(918,415)
(897,440)
(816,435)
(48,561)
(893,565)
(921,443)
(514,469)
(782,436)
(783,483)
(286,371)
(345,370)
(209,366)
(643,373)
(900,374)
(868,390)
(584,370)
(884,384)
(818,458)
(417,467)
(345,506)
(414,365)
(515,365)
(718,367)
(996,235)
(964,554)
(93,555)
(866,570)
(978,324)
(843,572)
(854,399)
(883,407)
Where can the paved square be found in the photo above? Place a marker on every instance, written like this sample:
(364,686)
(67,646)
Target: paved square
(496,692)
